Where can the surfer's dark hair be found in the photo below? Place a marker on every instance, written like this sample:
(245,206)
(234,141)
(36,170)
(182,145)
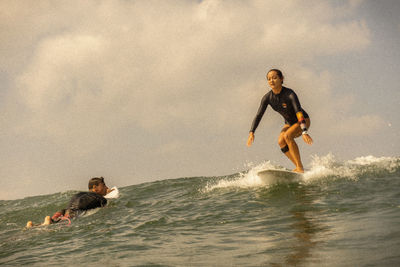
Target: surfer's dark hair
(95,182)
(277,72)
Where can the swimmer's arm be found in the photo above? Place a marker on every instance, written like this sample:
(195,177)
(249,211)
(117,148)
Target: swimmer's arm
(257,119)
(250,139)
(299,112)
(302,122)
(295,103)
(300,117)
(110,190)
(306,137)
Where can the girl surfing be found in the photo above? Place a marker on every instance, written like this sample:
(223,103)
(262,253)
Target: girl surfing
(284,100)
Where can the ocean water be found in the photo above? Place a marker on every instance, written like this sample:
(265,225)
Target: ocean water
(341,214)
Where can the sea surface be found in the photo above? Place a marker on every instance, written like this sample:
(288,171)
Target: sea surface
(341,214)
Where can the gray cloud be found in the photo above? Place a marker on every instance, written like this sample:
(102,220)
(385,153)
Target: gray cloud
(155,89)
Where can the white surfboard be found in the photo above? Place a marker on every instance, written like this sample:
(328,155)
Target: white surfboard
(279,176)
(113,194)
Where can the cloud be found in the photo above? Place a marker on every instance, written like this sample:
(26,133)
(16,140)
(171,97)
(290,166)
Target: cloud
(332,115)
(177,71)
(360,125)
(165,63)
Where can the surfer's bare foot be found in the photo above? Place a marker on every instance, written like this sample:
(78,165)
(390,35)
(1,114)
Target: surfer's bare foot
(29,224)
(299,170)
(47,221)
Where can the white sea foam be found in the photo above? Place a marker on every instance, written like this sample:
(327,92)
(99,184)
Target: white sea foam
(386,163)
(243,180)
(326,167)
(330,167)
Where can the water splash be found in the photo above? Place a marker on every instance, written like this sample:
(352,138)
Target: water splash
(328,166)
(246,179)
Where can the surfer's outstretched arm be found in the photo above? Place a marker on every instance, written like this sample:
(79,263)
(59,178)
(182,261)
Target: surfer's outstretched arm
(303,126)
(301,119)
(307,138)
(261,110)
(250,139)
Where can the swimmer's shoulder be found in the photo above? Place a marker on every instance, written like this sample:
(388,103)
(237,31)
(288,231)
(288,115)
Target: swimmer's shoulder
(267,97)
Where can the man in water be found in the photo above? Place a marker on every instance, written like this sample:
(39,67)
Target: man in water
(80,202)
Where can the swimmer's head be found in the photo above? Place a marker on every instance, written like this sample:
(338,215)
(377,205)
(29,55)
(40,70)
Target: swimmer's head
(278,72)
(275,78)
(95,181)
(98,186)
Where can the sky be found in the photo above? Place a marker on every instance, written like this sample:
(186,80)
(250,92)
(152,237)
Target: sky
(138,91)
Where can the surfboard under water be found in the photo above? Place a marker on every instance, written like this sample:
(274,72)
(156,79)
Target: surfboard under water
(279,176)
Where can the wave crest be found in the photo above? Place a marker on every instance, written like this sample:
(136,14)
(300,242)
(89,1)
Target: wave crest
(329,167)
(326,167)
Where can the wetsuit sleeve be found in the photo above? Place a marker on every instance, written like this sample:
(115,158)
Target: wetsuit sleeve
(295,102)
(260,113)
(86,201)
(298,110)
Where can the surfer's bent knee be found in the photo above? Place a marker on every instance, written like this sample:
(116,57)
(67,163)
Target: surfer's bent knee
(285,149)
(288,138)
(281,140)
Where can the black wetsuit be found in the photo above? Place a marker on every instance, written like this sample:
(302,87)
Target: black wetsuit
(85,201)
(286,103)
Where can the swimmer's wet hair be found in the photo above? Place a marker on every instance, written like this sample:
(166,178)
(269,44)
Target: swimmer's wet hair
(277,72)
(95,182)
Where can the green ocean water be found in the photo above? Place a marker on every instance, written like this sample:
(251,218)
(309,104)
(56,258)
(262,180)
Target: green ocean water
(341,214)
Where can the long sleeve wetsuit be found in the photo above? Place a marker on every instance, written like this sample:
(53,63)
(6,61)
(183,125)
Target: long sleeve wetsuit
(85,201)
(285,103)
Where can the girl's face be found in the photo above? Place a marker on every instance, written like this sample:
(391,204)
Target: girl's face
(274,81)
(101,189)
